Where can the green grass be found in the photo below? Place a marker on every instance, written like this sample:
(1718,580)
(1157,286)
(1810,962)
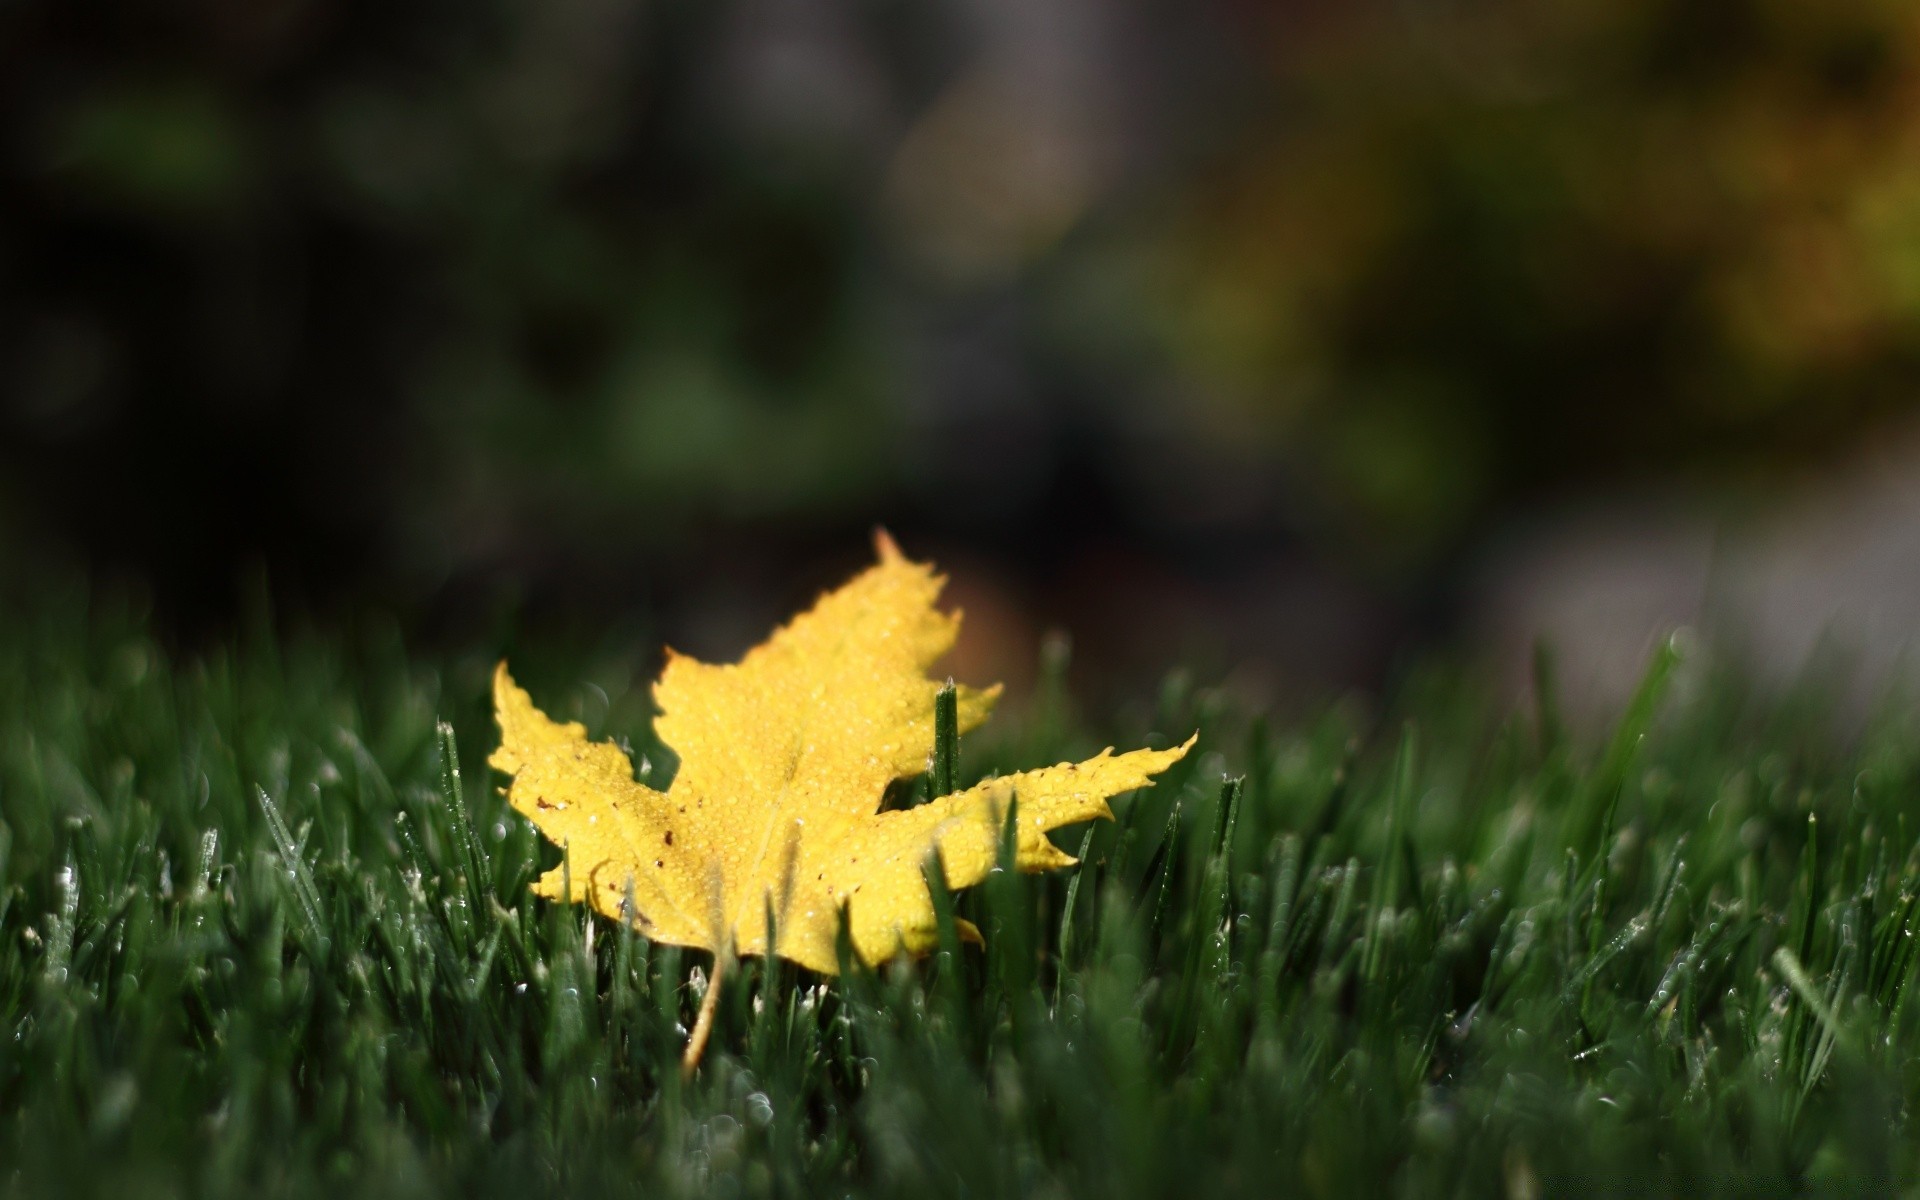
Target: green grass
(265,928)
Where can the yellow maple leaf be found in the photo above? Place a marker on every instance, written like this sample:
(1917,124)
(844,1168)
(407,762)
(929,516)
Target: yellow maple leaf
(784,758)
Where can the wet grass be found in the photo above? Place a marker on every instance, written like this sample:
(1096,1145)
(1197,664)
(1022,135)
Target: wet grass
(265,929)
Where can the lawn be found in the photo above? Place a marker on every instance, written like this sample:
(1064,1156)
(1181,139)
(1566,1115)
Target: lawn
(265,929)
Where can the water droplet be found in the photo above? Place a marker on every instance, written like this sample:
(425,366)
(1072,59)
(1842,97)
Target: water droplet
(760,1109)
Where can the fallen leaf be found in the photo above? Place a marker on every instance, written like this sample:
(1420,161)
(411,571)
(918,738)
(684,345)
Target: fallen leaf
(784,758)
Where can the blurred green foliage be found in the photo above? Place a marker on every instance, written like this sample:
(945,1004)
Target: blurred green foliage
(566,282)
(1469,253)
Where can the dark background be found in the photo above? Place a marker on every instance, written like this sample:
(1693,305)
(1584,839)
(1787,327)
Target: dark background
(1282,339)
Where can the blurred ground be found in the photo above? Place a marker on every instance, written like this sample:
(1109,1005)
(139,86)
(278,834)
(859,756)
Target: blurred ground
(1827,578)
(1285,340)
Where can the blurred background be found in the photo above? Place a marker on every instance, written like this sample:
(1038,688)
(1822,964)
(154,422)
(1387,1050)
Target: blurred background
(1286,340)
